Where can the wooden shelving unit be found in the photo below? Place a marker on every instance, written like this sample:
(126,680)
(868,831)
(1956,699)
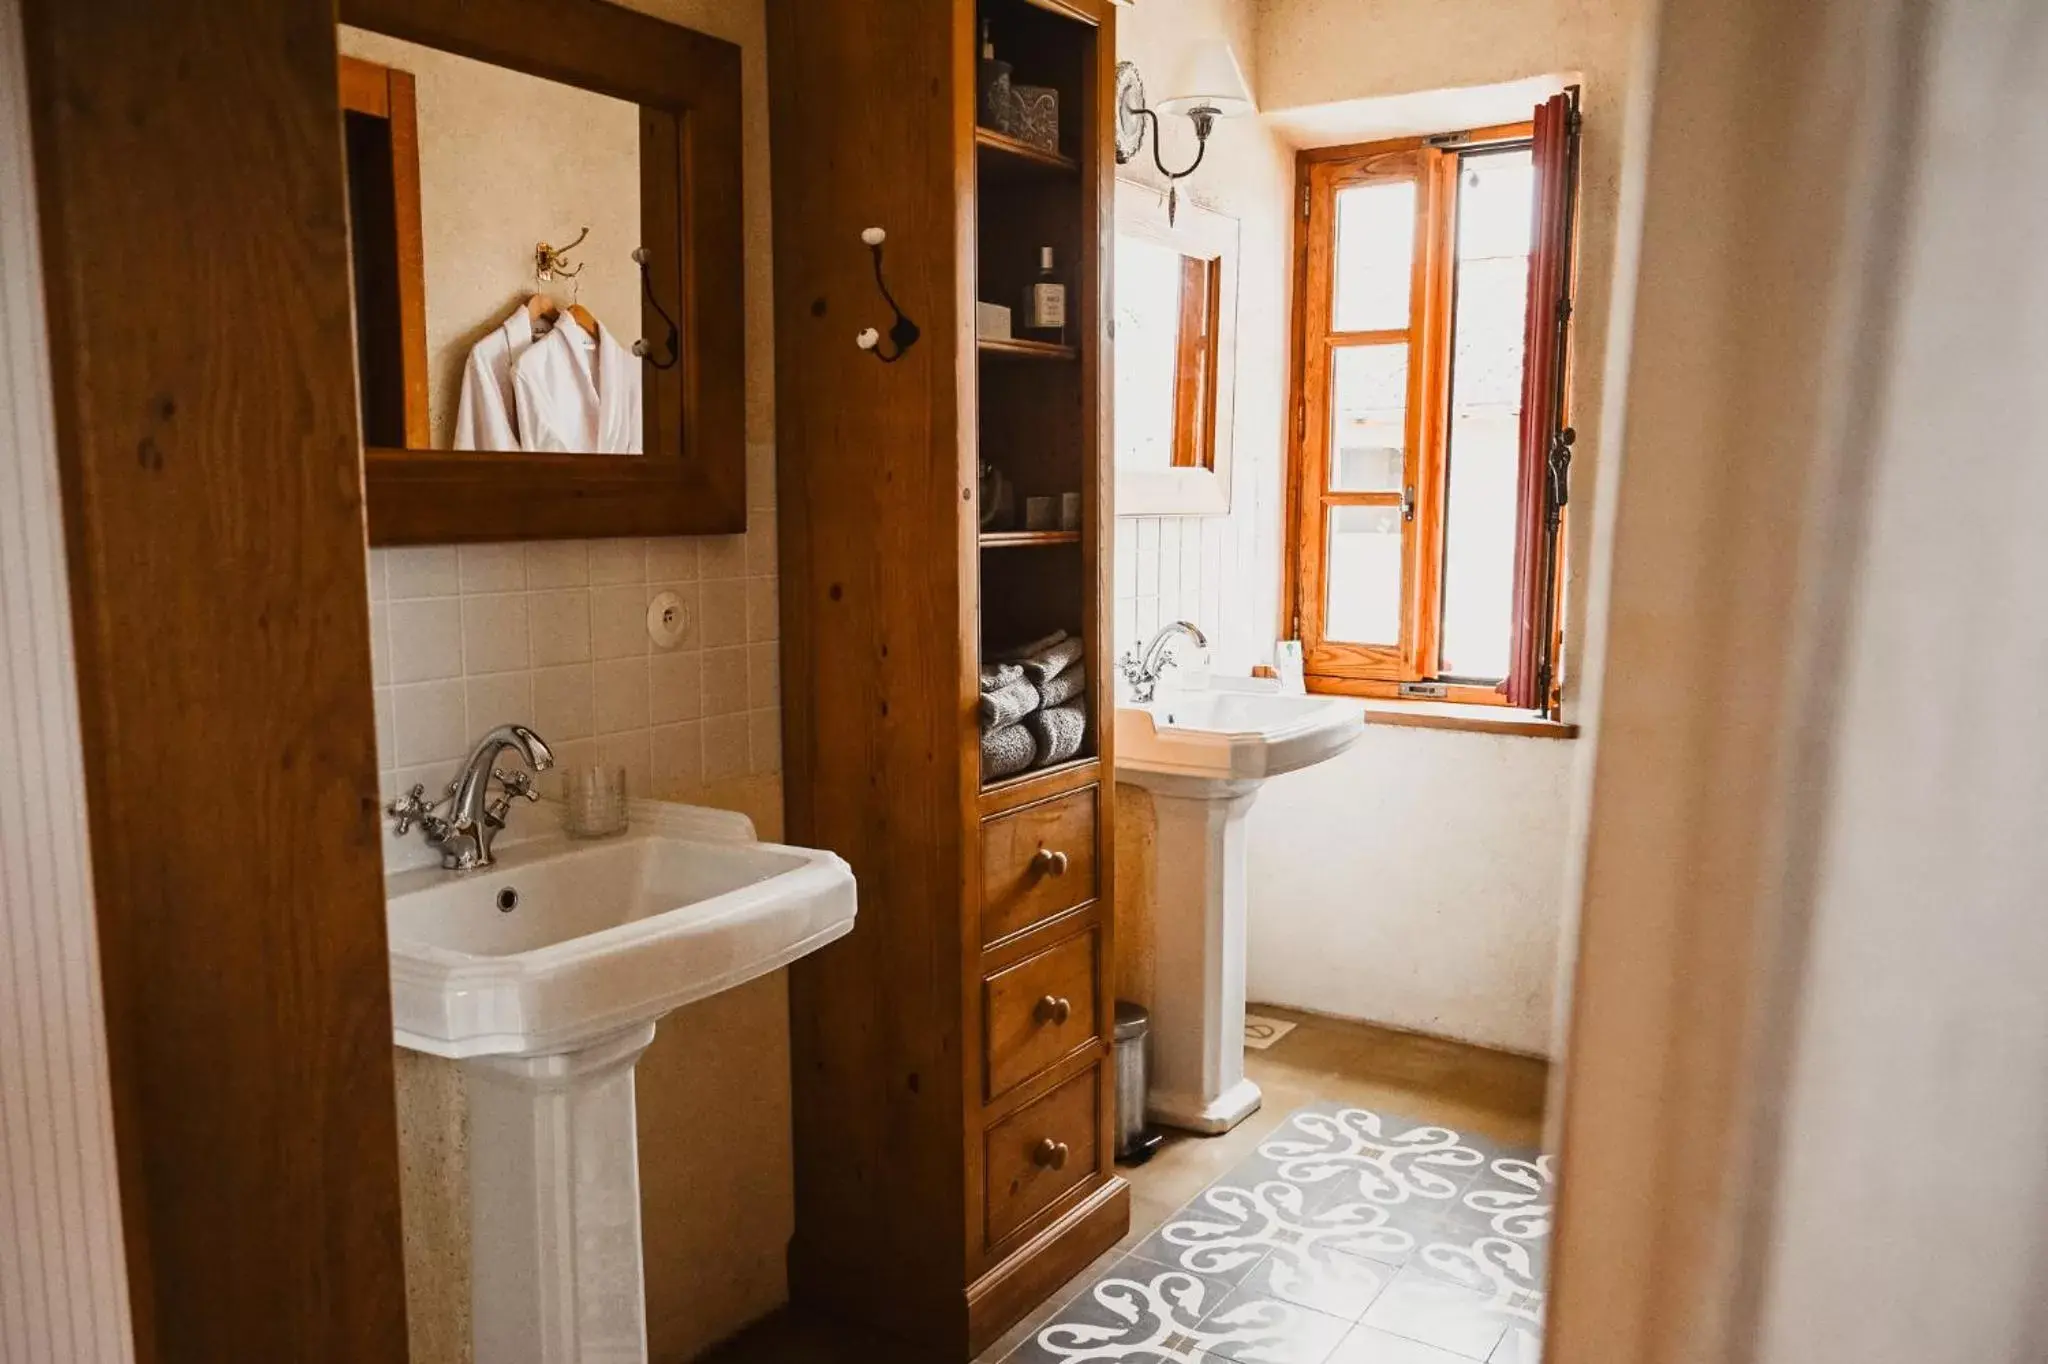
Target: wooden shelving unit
(953,1143)
(1001,155)
(1026,539)
(1023,348)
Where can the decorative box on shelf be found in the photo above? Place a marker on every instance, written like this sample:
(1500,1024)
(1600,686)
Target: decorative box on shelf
(1032,115)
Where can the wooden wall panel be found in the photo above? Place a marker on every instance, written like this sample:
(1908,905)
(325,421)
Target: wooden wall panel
(188,157)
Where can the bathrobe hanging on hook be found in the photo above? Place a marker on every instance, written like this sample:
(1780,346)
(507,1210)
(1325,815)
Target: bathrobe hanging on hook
(575,391)
(484,418)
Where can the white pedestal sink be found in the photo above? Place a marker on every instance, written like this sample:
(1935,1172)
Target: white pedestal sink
(544,975)
(1203,756)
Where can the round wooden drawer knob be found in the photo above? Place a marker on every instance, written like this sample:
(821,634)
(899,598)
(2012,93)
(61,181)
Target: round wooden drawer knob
(1050,1155)
(1054,1009)
(1050,862)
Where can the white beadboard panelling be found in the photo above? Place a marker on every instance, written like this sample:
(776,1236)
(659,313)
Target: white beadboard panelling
(63,1281)
(554,634)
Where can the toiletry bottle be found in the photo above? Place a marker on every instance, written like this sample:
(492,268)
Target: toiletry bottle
(1045,302)
(991,82)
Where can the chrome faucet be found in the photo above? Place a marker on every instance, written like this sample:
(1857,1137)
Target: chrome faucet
(1142,668)
(474,816)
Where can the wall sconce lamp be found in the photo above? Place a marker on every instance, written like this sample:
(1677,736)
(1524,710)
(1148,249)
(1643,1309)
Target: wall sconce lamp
(1215,88)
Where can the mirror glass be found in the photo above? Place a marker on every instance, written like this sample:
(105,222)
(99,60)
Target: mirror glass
(494,217)
(1166,356)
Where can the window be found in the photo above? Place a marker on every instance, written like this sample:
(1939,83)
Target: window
(1414,461)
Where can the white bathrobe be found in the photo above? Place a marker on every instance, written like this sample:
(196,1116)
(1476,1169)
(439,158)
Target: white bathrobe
(572,393)
(484,417)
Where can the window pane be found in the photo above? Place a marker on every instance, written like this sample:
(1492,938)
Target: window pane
(1148,280)
(1363,595)
(1495,204)
(1368,417)
(1374,250)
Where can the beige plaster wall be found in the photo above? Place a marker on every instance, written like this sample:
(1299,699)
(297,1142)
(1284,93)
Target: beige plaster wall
(508,160)
(535,630)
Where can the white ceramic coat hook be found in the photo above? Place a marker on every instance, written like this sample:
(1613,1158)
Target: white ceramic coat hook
(903,333)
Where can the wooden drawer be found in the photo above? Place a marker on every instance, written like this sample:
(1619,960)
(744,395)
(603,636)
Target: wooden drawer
(1039,1152)
(1036,862)
(1037,1011)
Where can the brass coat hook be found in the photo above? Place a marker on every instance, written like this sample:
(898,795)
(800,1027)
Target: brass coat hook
(552,261)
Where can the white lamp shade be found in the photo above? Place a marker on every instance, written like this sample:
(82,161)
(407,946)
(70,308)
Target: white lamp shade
(1209,77)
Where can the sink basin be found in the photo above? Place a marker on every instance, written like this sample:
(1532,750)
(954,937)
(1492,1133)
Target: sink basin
(543,977)
(1234,732)
(562,942)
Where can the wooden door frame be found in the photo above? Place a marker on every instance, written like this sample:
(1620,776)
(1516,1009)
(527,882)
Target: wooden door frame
(202,374)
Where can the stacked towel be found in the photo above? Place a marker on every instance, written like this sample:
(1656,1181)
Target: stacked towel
(1034,706)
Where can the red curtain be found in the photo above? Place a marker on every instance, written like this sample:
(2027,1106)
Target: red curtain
(1540,486)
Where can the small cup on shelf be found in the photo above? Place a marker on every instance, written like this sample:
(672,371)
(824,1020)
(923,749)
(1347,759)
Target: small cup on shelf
(1041,513)
(1070,511)
(594,801)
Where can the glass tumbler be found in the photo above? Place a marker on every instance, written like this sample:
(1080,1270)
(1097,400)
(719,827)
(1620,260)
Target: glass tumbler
(594,801)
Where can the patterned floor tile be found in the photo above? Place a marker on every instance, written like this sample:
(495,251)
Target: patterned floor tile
(1139,1313)
(1350,1237)
(1370,1345)
(1251,1327)
(1434,1311)
(1321,1278)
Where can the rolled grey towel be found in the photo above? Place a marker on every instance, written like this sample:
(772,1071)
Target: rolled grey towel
(1050,662)
(1008,706)
(1006,752)
(996,676)
(1057,691)
(1059,730)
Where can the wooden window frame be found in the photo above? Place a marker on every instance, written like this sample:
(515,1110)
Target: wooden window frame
(386,93)
(1194,367)
(1378,671)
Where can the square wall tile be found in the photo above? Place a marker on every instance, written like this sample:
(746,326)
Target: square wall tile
(725,681)
(726,748)
(426,639)
(414,571)
(560,627)
(672,559)
(722,556)
(501,699)
(618,561)
(562,702)
(630,751)
(494,633)
(675,687)
(373,573)
(492,568)
(764,675)
(677,755)
(380,643)
(764,741)
(762,621)
(557,563)
(618,621)
(619,695)
(428,723)
(723,607)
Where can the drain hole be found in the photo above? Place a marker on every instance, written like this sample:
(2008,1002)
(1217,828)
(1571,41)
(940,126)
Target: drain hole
(508,900)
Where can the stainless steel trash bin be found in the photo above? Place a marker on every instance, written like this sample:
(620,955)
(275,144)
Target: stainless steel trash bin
(1134,1141)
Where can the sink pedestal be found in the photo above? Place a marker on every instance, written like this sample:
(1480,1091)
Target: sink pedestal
(555,1205)
(1198,873)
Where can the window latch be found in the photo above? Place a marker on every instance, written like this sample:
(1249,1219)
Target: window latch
(1408,502)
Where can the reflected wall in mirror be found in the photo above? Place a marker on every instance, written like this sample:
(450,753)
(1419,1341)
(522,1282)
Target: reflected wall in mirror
(545,238)
(459,173)
(1176,333)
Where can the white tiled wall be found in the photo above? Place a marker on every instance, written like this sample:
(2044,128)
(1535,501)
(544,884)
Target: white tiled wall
(1172,568)
(553,634)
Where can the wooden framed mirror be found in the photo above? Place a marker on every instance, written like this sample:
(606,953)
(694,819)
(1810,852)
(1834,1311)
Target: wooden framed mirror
(1176,355)
(545,201)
